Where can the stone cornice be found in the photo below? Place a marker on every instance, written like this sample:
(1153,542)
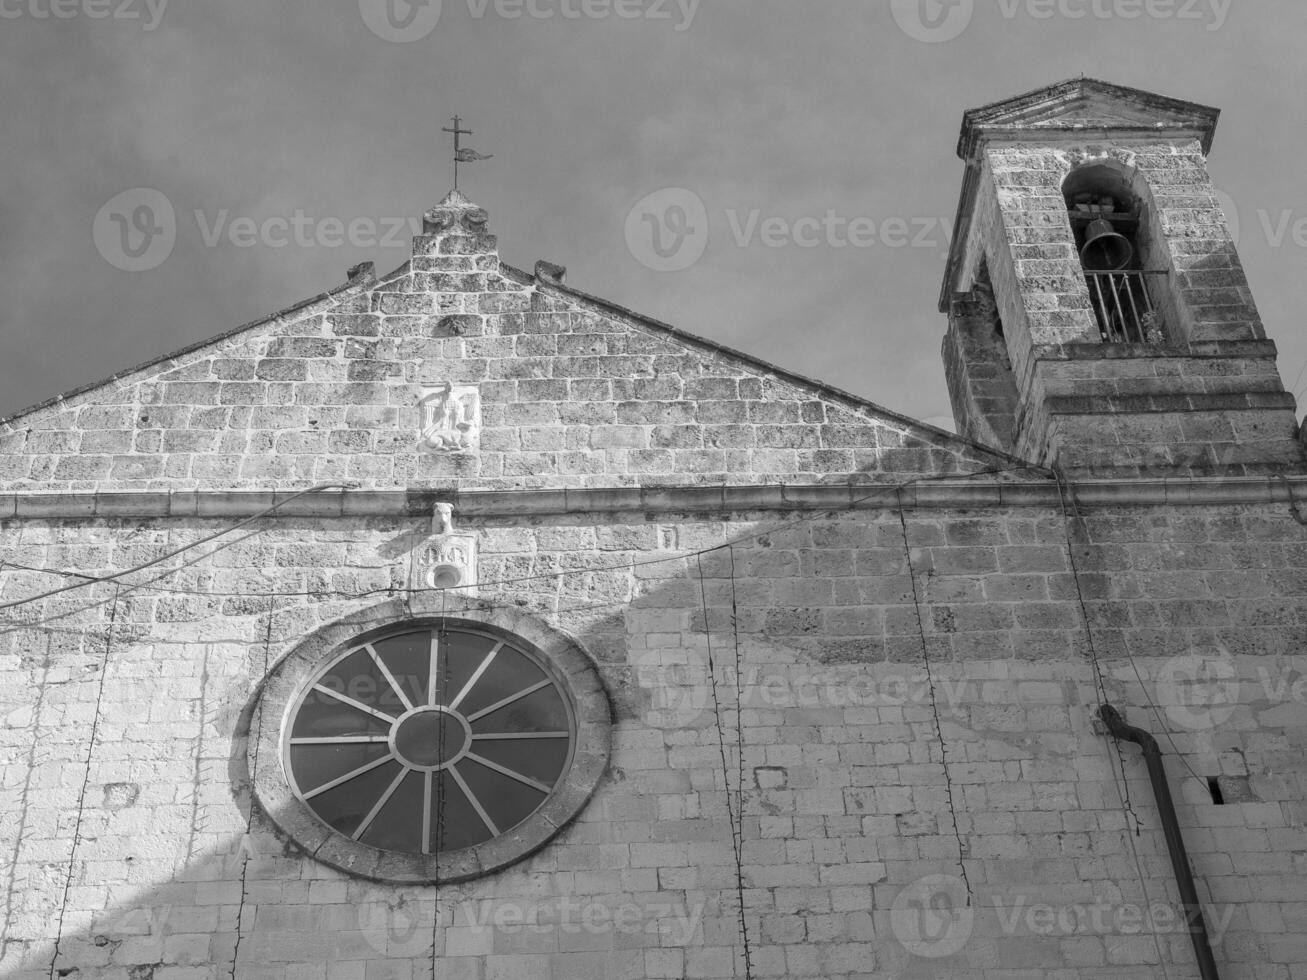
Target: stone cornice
(956,494)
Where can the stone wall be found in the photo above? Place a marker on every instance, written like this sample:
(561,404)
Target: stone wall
(887,754)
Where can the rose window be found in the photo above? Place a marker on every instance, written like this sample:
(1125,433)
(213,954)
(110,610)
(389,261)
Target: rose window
(430,739)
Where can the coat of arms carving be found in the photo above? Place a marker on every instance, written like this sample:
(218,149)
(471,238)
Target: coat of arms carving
(450,418)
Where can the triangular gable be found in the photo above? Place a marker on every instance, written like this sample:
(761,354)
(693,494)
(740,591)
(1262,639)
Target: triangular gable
(458,371)
(1086,104)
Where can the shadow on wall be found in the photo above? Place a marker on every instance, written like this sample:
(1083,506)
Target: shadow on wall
(245,894)
(798,595)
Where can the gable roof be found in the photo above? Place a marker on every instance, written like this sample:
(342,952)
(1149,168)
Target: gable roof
(1085,105)
(576,391)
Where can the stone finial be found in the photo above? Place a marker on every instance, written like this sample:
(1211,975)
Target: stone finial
(454,234)
(455,215)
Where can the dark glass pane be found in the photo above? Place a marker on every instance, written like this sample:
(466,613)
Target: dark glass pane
(321,715)
(507,674)
(542,711)
(345,806)
(398,827)
(408,657)
(541,759)
(455,824)
(358,678)
(315,765)
(461,655)
(506,800)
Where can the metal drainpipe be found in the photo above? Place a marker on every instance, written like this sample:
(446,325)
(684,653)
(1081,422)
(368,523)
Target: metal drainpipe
(1171,828)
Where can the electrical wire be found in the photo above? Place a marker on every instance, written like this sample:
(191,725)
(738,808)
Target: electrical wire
(934,700)
(733,817)
(174,553)
(86,781)
(1122,784)
(739,760)
(623,566)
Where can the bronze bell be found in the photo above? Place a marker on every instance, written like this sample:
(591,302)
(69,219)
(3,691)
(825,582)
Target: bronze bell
(1106,249)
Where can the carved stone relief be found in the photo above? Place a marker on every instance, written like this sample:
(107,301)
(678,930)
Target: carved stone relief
(450,419)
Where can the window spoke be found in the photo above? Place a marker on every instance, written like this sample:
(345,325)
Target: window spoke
(426,812)
(332,784)
(476,676)
(433,667)
(509,700)
(346,699)
(372,814)
(505,771)
(504,736)
(390,678)
(338,739)
(476,804)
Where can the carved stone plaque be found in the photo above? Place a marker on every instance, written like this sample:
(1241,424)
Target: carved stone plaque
(450,419)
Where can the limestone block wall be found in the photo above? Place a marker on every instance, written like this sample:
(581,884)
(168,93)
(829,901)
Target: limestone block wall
(841,738)
(979,372)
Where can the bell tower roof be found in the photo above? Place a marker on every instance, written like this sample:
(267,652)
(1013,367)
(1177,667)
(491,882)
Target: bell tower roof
(1079,107)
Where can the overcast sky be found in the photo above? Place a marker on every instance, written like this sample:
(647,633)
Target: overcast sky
(328,114)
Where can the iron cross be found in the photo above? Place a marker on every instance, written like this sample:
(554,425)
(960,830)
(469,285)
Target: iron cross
(457,133)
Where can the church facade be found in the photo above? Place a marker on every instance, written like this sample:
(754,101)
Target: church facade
(457,623)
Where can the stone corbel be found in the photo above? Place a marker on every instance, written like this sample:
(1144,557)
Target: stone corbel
(448,558)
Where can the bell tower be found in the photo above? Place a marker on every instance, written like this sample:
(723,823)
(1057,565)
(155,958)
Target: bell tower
(1099,320)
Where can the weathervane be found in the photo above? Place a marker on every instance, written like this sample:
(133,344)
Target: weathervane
(463,154)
